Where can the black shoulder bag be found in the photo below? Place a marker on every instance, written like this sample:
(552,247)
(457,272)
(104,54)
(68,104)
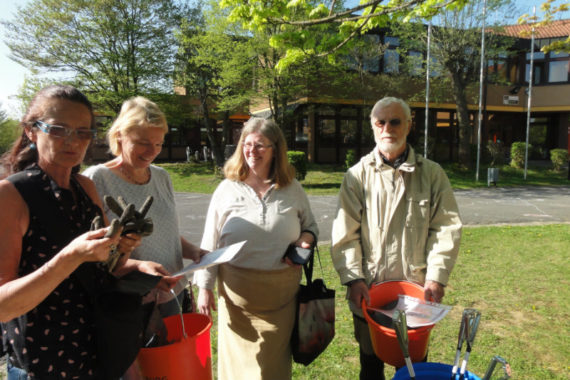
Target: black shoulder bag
(314,319)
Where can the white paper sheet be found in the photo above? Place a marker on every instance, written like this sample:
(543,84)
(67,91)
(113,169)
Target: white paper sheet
(219,256)
(418,312)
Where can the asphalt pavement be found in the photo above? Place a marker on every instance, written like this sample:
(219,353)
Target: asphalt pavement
(478,207)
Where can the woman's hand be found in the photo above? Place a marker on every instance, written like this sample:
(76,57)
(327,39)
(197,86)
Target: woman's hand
(167,282)
(127,244)
(191,251)
(91,246)
(306,240)
(206,301)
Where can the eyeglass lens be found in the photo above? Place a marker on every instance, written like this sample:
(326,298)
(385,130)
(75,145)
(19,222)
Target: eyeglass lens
(258,147)
(59,131)
(393,122)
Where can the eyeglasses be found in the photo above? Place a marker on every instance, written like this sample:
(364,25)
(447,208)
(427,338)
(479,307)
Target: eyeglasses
(63,132)
(393,123)
(258,147)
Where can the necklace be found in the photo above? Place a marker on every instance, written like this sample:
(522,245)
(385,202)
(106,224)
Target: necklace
(126,174)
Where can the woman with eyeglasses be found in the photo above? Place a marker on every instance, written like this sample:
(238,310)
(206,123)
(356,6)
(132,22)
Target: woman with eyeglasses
(49,256)
(135,139)
(259,201)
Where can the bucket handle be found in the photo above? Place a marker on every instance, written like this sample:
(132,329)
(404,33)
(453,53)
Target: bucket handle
(506,368)
(181,316)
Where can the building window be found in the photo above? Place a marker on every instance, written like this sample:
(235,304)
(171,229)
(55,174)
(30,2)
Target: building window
(391,41)
(391,61)
(558,71)
(327,132)
(552,67)
(537,55)
(302,134)
(537,74)
(365,54)
(416,63)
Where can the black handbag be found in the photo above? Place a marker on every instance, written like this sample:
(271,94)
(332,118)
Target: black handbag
(118,314)
(314,318)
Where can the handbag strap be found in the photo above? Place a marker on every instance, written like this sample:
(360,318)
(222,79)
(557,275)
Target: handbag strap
(308,267)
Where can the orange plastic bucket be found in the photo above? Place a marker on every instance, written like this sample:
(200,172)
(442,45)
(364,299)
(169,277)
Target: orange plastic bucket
(384,339)
(186,359)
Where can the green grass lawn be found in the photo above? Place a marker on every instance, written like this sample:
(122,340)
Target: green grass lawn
(517,277)
(326,179)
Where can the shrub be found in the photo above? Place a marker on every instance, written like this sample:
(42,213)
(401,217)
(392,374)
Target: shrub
(558,157)
(517,154)
(299,162)
(350,158)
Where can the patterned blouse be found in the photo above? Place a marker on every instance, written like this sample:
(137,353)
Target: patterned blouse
(56,339)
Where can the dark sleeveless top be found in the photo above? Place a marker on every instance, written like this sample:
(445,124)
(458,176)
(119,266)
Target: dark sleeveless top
(56,339)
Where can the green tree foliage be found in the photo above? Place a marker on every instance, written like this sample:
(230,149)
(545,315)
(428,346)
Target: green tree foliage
(214,65)
(297,25)
(112,49)
(9,131)
(456,55)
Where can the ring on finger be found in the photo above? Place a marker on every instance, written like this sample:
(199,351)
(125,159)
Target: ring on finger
(113,247)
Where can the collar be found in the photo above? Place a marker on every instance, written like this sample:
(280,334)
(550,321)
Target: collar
(405,162)
(398,161)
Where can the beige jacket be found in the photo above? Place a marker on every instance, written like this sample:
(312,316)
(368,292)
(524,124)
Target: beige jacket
(396,224)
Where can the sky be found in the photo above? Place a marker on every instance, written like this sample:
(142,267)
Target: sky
(12,74)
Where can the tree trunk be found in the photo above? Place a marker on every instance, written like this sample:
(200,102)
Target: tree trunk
(211,133)
(464,126)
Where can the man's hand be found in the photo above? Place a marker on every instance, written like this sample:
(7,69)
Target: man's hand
(435,290)
(357,291)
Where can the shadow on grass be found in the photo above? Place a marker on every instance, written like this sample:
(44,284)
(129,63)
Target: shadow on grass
(189,168)
(321,185)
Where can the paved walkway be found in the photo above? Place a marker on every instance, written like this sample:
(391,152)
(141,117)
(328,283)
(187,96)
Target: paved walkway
(487,206)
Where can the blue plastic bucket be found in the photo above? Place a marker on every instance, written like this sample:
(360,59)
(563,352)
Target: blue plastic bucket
(431,371)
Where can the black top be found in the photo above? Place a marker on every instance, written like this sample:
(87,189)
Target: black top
(56,339)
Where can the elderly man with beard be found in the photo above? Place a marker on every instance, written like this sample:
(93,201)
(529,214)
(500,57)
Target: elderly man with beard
(397,219)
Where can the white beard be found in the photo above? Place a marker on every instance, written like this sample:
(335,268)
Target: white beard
(389,148)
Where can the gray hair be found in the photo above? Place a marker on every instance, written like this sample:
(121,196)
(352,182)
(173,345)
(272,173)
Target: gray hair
(385,102)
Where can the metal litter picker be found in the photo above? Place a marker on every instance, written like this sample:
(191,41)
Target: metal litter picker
(399,320)
(469,324)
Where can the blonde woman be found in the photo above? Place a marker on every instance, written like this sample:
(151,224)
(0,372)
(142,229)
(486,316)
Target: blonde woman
(261,202)
(135,139)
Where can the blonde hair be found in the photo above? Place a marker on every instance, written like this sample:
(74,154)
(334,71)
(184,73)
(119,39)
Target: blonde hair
(137,112)
(281,172)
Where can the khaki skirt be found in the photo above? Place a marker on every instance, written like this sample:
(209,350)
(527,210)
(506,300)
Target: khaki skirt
(256,313)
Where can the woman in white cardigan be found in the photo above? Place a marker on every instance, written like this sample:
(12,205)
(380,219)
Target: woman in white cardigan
(261,202)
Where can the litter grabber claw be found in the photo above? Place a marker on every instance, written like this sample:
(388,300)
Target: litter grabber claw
(131,220)
(506,368)
(469,325)
(399,321)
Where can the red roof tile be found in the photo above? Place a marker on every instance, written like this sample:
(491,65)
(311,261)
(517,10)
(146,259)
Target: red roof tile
(558,28)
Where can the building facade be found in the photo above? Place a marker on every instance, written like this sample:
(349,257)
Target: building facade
(329,121)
